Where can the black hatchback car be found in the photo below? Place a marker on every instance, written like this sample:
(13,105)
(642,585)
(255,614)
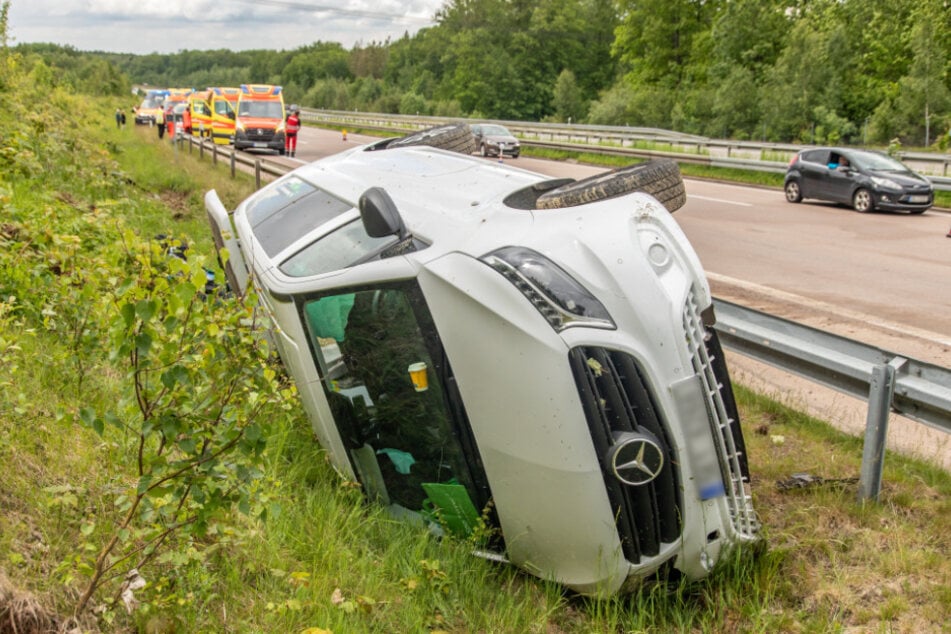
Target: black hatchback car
(864,179)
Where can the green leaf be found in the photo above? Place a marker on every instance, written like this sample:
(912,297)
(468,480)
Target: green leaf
(128,314)
(146,309)
(144,482)
(88,416)
(143,343)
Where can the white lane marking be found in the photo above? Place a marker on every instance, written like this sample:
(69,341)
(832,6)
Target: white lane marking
(720,200)
(902,329)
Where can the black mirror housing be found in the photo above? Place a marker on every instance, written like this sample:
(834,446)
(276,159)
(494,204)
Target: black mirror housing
(379,214)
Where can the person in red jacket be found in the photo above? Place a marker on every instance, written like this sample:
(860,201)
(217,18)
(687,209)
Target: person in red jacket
(186,121)
(291,130)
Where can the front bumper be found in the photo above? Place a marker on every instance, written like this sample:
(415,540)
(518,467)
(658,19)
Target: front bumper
(263,140)
(890,200)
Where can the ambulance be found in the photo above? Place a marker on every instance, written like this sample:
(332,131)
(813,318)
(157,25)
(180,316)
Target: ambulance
(259,123)
(200,110)
(224,104)
(175,97)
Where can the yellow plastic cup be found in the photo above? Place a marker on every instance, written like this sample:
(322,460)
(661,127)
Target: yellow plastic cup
(417,372)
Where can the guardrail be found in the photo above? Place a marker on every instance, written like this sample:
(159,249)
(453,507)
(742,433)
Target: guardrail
(625,141)
(887,381)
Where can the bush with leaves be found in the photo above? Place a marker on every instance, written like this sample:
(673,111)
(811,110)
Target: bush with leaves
(193,419)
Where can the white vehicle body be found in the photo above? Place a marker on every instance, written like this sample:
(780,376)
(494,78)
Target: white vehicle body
(603,448)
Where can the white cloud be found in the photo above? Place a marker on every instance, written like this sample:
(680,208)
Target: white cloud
(166,26)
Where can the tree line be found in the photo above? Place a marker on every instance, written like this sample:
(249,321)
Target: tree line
(810,71)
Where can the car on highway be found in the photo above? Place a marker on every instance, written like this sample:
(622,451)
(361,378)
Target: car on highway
(493,139)
(523,362)
(866,180)
(147,110)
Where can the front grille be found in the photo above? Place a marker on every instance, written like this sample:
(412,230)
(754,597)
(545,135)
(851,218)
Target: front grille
(259,134)
(617,399)
(710,366)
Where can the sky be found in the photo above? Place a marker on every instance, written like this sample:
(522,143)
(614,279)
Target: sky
(169,26)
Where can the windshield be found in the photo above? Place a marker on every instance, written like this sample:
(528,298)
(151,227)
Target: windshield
(150,103)
(878,162)
(263,109)
(495,130)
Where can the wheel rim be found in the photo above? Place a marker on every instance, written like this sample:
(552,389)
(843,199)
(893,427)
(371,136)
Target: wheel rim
(862,201)
(792,192)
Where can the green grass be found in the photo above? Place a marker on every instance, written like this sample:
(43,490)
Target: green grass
(323,558)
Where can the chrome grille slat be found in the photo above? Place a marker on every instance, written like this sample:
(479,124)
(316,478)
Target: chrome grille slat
(722,423)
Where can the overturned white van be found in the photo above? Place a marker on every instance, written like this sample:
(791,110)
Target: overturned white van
(478,342)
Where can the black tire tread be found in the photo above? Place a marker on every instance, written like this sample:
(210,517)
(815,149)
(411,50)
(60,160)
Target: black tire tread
(660,178)
(455,137)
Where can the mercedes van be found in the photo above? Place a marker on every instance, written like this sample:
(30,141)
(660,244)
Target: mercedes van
(259,124)
(525,362)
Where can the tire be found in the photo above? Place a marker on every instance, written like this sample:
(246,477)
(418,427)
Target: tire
(862,201)
(915,212)
(793,193)
(455,137)
(482,150)
(660,178)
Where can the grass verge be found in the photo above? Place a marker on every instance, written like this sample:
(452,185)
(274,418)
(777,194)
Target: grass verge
(321,559)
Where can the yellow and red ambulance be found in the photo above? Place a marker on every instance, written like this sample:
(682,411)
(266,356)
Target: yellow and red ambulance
(224,105)
(259,123)
(199,108)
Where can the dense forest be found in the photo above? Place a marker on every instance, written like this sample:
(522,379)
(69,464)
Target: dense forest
(859,71)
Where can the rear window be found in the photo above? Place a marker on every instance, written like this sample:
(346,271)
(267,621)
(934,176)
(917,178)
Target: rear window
(284,213)
(816,156)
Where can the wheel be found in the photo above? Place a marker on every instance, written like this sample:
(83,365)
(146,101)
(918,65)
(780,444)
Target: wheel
(660,178)
(793,193)
(455,137)
(862,201)
(515,156)
(482,150)
(915,212)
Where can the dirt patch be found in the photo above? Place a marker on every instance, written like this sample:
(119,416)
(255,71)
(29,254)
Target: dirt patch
(177,202)
(22,613)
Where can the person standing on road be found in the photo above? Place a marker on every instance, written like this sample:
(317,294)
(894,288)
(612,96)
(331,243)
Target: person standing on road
(160,122)
(186,121)
(291,130)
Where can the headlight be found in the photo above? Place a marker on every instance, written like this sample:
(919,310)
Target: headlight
(238,126)
(560,299)
(280,127)
(887,183)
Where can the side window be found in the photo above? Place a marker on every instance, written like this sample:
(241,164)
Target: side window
(816,156)
(399,428)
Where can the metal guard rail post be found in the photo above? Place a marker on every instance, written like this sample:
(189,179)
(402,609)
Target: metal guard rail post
(888,381)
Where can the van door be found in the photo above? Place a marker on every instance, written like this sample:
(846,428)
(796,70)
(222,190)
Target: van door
(408,437)
(222,120)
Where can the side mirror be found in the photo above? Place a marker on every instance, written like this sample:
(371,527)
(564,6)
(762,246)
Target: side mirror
(231,114)
(379,214)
